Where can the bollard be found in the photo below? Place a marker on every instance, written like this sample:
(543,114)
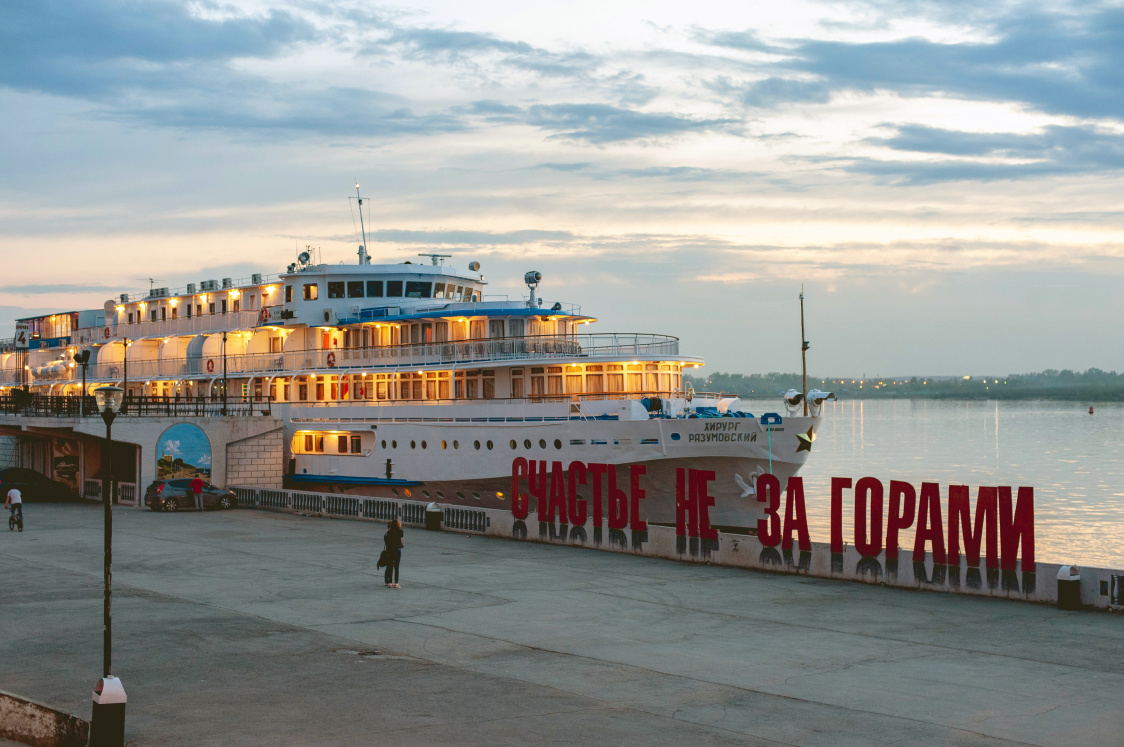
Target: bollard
(433,517)
(107,725)
(1069,588)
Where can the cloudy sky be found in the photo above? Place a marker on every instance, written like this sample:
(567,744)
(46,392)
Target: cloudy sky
(942,177)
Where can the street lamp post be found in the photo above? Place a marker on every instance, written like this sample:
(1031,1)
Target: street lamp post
(83,360)
(107,725)
(224,383)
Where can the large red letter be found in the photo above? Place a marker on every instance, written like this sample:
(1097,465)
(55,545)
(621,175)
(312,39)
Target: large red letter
(618,502)
(519,501)
(903,499)
(1016,527)
(769,493)
(686,511)
(637,495)
(557,504)
(537,483)
(930,528)
(960,521)
(701,478)
(838,484)
(795,517)
(576,475)
(869,544)
(596,471)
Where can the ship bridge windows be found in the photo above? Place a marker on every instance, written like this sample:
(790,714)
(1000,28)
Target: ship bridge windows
(374,289)
(438,290)
(355,289)
(310,292)
(418,289)
(393,288)
(336,289)
(288,294)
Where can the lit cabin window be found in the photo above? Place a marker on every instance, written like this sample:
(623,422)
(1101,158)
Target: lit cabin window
(310,293)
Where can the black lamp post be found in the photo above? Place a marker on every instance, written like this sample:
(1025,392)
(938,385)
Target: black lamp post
(224,373)
(107,726)
(83,359)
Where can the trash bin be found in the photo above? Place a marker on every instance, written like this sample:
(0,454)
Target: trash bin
(1069,588)
(433,517)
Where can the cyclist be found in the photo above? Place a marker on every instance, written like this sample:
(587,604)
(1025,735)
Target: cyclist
(14,503)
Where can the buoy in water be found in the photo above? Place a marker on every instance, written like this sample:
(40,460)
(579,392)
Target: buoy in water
(1090,409)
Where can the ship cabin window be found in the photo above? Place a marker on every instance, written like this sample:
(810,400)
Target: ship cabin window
(476,384)
(341,444)
(538,382)
(163,313)
(418,289)
(594,379)
(476,329)
(152,315)
(554,380)
(354,288)
(374,289)
(410,386)
(635,380)
(188,307)
(130,317)
(515,328)
(310,291)
(335,289)
(450,289)
(275,344)
(517,383)
(458,294)
(442,332)
(437,385)
(614,379)
(574,379)
(223,302)
(320,389)
(288,294)
(393,288)
(237,305)
(302,390)
(198,309)
(175,309)
(495,328)
(438,290)
(309,443)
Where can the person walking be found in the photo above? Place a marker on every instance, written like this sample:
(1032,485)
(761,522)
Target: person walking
(197,486)
(393,542)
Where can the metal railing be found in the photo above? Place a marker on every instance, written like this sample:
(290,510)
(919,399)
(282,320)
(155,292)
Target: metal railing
(196,324)
(65,406)
(455,353)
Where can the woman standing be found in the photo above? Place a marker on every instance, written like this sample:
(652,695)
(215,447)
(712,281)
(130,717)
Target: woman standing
(393,542)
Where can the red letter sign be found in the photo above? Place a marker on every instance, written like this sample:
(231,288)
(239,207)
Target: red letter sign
(795,517)
(637,495)
(869,544)
(837,486)
(903,499)
(769,493)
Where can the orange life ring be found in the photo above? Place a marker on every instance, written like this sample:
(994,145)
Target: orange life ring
(107,333)
(210,365)
(264,315)
(331,360)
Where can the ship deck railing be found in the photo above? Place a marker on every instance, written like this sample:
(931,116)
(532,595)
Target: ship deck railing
(460,354)
(68,406)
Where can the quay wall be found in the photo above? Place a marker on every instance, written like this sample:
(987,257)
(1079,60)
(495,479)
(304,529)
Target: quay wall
(1100,588)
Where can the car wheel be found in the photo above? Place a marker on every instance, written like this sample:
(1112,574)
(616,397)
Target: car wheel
(224,503)
(171,506)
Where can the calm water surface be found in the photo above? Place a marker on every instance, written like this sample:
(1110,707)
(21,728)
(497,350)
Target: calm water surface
(1074,461)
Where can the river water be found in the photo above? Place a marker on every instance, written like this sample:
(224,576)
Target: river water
(1073,460)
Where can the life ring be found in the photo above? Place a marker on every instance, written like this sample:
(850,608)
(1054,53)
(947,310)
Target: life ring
(264,315)
(210,365)
(106,333)
(331,360)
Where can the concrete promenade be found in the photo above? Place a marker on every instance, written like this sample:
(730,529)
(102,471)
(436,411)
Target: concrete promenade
(255,628)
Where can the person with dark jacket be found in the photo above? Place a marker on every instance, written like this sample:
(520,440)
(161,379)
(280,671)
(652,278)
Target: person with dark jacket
(393,541)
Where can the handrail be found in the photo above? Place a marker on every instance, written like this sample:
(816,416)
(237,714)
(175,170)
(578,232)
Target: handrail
(477,352)
(68,406)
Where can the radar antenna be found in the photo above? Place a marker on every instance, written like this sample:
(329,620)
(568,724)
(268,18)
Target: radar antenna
(437,259)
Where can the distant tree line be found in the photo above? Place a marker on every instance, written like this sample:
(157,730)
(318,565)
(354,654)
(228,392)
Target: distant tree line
(1093,385)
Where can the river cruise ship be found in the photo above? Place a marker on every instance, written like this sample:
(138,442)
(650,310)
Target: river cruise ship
(407,380)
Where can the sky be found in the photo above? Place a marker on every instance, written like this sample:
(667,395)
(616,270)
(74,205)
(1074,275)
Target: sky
(941,178)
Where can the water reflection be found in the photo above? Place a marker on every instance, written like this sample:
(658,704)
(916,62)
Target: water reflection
(1074,461)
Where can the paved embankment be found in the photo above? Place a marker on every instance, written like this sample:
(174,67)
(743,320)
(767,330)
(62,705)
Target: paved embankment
(245,627)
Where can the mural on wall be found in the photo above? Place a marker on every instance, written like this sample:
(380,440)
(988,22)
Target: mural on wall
(66,462)
(183,451)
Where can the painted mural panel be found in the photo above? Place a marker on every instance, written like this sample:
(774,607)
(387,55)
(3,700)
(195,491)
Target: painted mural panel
(183,451)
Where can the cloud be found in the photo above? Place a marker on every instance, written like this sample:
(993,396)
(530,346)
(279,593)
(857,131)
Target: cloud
(39,289)
(484,238)
(173,448)
(600,124)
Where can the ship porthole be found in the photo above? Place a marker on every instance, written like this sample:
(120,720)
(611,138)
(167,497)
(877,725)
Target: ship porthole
(542,443)
(394,490)
(384,443)
(413,444)
(440,495)
(443,445)
(394,444)
(460,495)
(456,444)
(557,444)
(426,493)
(423,444)
(489,446)
(513,444)
(476,444)
(475,495)
(500,496)
(527,443)
(675,436)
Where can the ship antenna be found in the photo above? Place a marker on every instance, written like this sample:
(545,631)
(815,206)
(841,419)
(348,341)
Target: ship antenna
(803,352)
(363,258)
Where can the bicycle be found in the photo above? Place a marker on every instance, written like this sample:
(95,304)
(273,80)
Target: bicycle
(16,519)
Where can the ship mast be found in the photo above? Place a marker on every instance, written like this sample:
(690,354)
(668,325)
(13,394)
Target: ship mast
(363,257)
(803,353)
